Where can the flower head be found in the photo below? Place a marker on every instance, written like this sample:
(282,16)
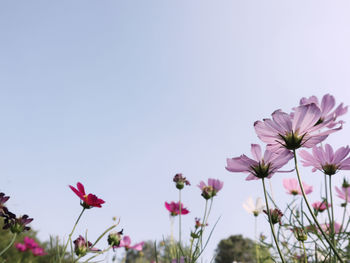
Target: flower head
(292,131)
(319,207)
(300,233)
(328,115)
(20,247)
(114,238)
(174,208)
(210,190)
(252,208)
(126,243)
(276,215)
(30,244)
(261,166)
(293,188)
(16,225)
(3,199)
(82,247)
(326,160)
(88,200)
(327,228)
(180,181)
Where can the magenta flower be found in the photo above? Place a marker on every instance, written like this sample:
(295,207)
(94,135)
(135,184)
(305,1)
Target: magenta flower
(210,190)
(293,188)
(292,131)
(30,244)
(126,243)
(89,200)
(320,206)
(20,247)
(174,208)
(326,160)
(328,115)
(38,251)
(343,193)
(260,166)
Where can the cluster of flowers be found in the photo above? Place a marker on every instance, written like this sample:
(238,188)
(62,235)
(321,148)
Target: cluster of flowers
(306,126)
(115,239)
(15,224)
(208,192)
(29,244)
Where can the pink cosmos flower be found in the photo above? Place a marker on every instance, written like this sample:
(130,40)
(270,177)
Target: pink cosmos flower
(30,244)
(327,113)
(327,228)
(292,131)
(38,251)
(126,243)
(89,200)
(174,208)
(343,193)
(326,160)
(210,190)
(260,166)
(320,206)
(293,188)
(20,247)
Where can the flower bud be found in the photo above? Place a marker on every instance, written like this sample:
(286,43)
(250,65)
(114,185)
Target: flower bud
(345,183)
(114,238)
(300,234)
(276,215)
(180,181)
(80,247)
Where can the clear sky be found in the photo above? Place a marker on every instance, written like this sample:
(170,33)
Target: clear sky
(121,95)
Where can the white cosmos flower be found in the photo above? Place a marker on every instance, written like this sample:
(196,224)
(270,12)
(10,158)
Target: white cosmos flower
(252,208)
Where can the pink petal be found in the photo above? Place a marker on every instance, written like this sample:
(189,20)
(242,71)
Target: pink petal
(305,117)
(327,104)
(256,152)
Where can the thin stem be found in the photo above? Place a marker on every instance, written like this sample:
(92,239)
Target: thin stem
(256,237)
(180,217)
(310,210)
(305,256)
(9,245)
(326,192)
(270,221)
(332,210)
(202,224)
(71,233)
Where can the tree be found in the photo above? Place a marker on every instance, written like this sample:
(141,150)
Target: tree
(239,249)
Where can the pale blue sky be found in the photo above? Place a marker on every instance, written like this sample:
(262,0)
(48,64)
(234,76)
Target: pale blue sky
(121,95)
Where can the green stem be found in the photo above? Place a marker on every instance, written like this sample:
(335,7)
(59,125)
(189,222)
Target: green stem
(256,239)
(332,210)
(343,220)
(70,235)
(270,221)
(180,217)
(201,231)
(305,256)
(9,245)
(310,210)
(327,201)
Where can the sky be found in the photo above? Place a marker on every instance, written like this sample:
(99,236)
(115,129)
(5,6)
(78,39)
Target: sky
(122,95)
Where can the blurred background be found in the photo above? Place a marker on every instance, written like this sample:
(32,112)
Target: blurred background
(122,95)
